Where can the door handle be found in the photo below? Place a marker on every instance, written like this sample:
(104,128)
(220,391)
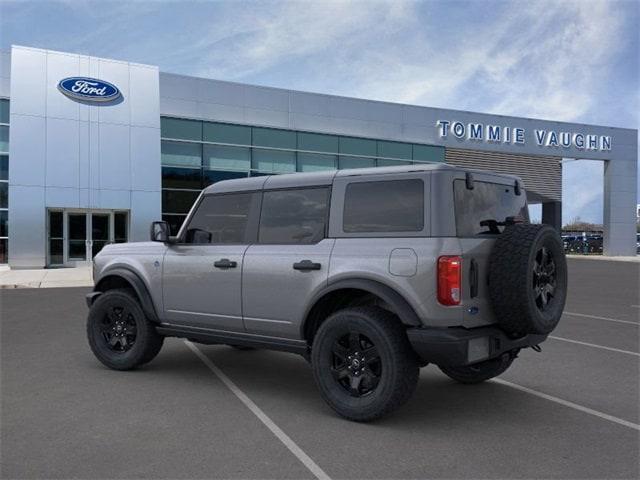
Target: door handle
(306,265)
(473,279)
(225,263)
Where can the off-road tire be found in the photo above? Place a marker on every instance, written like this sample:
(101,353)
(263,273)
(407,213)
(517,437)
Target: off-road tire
(512,280)
(479,372)
(147,343)
(398,365)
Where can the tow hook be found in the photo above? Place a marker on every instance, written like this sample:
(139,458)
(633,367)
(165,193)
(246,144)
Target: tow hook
(536,348)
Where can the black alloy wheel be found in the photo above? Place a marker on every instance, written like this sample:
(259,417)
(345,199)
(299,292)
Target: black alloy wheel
(119,333)
(357,366)
(119,329)
(544,278)
(363,363)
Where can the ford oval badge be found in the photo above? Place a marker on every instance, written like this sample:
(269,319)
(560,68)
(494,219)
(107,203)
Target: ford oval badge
(88,89)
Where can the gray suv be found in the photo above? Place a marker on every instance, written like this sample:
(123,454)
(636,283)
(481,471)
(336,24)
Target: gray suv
(370,274)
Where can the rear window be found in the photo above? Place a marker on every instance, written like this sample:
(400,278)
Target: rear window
(384,206)
(487,201)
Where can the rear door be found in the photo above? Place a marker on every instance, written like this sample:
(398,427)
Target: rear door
(290,261)
(492,198)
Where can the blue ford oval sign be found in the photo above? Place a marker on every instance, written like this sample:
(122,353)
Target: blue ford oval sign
(88,89)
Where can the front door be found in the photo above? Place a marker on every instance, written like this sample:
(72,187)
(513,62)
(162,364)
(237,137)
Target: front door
(202,272)
(76,236)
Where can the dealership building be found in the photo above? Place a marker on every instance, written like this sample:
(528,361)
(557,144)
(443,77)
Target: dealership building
(92,150)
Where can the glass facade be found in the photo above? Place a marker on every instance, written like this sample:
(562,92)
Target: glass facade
(4,180)
(196,154)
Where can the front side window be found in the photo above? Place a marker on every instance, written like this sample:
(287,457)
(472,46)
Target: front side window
(384,206)
(294,216)
(221,219)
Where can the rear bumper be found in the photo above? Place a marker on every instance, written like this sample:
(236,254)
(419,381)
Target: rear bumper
(461,346)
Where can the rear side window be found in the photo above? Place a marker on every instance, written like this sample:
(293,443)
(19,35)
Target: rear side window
(221,219)
(487,201)
(294,216)
(384,206)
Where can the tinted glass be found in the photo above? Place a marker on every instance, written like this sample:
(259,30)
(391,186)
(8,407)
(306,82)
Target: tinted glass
(4,167)
(178,128)
(56,252)
(213,176)
(4,250)
(384,206)
(227,158)
(4,219)
(4,194)
(313,162)
(317,142)
(4,139)
(174,177)
(55,224)
(428,153)
(221,219)
(276,161)
(77,236)
(294,216)
(184,154)
(269,137)
(487,201)
(356,162)
(178,201)
(175,222)
(224,133)
(394,150)
(120,227)
(358,146)
(4,111)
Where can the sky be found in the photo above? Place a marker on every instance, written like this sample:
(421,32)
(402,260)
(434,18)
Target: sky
(558,60)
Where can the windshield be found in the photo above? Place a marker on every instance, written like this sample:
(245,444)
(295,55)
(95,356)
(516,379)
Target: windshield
(487,201)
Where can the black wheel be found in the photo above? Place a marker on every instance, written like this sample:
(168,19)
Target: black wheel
(119,334)
(479,372)
(363,363)
(528,279)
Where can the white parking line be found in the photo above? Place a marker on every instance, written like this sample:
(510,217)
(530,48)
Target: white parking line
(602,318)
(569,404)
(283,437)
(595,346)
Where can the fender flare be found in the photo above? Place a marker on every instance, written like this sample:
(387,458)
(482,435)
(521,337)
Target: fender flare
(397,302)
(138,285)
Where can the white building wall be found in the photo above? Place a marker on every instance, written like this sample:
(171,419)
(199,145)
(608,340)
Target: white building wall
(70,154)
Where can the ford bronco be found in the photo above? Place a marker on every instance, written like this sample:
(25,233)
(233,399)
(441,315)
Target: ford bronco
(370,274)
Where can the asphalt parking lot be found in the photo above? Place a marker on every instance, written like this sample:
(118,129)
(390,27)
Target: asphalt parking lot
(571,411)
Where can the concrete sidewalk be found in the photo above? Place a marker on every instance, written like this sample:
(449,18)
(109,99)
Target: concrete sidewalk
(46,278)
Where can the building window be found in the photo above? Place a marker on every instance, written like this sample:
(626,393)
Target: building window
(4,180)
(182,154)
(180,129)
(273,161)
(196,154)
(313,162)
(227,158)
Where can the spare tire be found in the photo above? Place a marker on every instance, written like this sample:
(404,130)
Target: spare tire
(528,279)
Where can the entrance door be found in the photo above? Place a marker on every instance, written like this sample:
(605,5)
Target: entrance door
(76,236)
(100,231)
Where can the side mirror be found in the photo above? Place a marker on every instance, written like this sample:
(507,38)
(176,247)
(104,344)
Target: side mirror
(160,232)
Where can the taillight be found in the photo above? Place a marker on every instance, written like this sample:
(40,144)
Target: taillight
(449,280)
